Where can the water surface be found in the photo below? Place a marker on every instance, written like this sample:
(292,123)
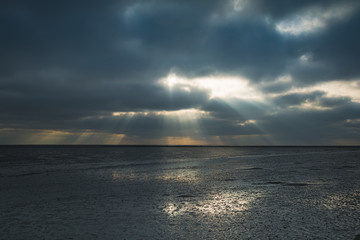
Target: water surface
(98,192)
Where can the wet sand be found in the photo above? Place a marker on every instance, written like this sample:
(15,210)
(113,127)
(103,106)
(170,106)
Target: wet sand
(271,193)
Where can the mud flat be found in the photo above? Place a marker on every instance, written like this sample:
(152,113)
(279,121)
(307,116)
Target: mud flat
(179,193)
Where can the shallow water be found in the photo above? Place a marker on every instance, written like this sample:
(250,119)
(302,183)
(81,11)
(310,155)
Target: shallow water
(179,192)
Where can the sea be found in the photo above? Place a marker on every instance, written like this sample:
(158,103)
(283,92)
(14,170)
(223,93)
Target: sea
(164,192)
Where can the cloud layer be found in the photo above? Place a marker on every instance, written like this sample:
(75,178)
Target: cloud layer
(180,72)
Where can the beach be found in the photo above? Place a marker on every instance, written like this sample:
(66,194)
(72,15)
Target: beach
(98,192)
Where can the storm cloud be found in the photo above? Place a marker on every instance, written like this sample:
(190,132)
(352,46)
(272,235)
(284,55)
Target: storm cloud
(180,72)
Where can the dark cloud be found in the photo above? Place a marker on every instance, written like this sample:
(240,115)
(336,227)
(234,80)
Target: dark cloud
(311,126)
(297,98)
(334,53)
(334,101)
(282,8)
(68,65)
(236,109)
(168,27)
(248,45)
(275,87)
(67,101)
(338,48)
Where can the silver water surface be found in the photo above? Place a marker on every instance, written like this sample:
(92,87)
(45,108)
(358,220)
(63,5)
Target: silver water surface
(179,192)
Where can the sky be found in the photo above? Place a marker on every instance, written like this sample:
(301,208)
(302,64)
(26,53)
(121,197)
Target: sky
(180,72)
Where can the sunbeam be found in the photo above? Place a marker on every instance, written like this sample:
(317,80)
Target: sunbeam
(234,92)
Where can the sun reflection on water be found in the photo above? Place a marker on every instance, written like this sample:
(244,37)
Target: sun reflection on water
(337,201)
(225,203)
(181,175)
(188,175)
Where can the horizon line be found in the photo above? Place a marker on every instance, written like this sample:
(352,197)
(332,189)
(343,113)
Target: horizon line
(165,145)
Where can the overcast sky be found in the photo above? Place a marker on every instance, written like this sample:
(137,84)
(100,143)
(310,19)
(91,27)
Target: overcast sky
(220,72)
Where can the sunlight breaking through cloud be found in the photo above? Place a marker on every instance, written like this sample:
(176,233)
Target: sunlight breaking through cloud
(233,72)
(48,136)
(221,86)
(184,113)
(334,89)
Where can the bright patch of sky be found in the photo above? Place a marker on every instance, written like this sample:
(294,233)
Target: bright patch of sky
(221,86)
(337,89)
(314,19)
(184,113)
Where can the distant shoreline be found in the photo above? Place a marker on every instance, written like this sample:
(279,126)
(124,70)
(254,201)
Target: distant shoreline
(195,146)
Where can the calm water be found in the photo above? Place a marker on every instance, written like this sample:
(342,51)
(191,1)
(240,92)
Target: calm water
(179,192)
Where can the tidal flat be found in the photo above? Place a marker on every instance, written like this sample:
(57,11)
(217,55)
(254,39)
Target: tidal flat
(99,192)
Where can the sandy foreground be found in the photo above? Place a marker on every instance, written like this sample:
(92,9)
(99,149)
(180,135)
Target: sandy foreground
(179,193)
